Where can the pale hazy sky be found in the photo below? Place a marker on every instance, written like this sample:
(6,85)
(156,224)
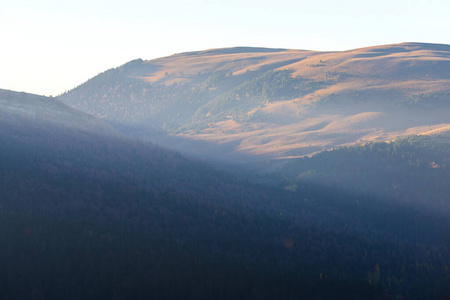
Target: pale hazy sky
(50,46)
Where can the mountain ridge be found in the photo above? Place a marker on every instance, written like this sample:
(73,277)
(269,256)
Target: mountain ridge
(248,98)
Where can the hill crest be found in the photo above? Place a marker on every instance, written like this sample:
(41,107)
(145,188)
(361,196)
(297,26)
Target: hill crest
(275,103)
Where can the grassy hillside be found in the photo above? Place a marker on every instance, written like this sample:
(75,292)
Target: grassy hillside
(275,103)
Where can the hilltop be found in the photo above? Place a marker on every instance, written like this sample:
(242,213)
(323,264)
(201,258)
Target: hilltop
(257,103)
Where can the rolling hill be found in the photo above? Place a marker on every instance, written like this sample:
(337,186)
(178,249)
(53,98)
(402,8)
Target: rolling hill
(257,104)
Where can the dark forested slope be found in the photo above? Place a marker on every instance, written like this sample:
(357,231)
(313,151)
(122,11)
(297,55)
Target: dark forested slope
(412,171)
(95,215)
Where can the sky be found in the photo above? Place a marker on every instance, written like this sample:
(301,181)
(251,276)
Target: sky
(50,46)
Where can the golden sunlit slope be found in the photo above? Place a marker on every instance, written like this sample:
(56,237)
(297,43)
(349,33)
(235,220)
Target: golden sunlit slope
(186,67)
(275,103)
(410,68)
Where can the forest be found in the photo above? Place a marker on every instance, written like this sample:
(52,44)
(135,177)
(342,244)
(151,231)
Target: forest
(412,170)
(90,216)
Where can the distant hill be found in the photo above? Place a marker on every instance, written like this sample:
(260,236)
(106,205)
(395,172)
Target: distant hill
(274,103)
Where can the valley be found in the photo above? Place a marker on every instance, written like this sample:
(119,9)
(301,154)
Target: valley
(234,173)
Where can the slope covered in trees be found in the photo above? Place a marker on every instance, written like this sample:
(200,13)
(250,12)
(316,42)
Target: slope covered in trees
(92,215)
(413,171)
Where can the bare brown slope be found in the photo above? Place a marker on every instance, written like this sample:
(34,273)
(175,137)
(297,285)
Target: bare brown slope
(186,67)
(292,128)
(359,95)
(399,62)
